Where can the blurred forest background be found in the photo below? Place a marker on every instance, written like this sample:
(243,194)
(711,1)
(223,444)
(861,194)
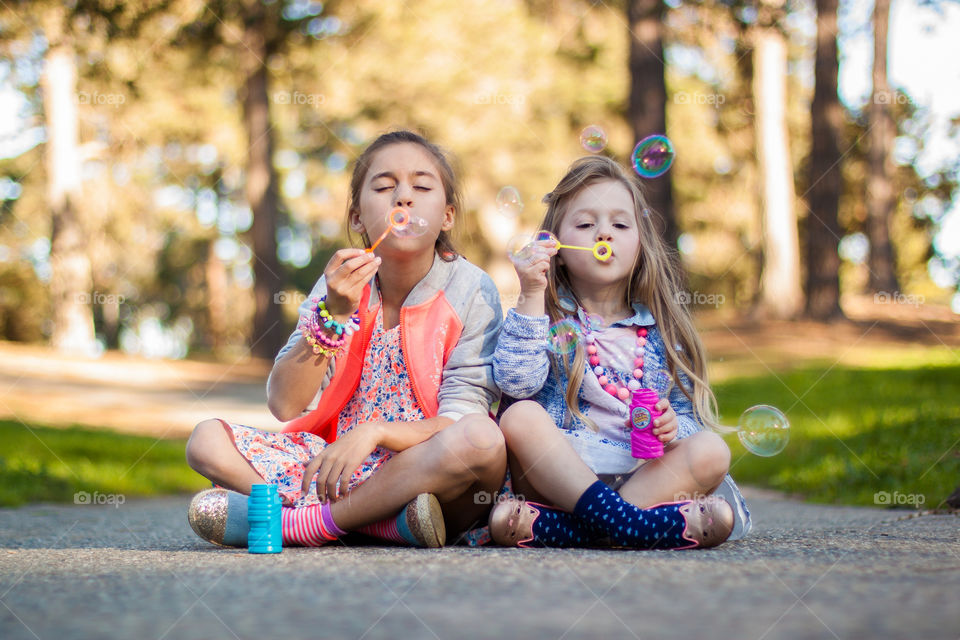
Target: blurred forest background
(173,173)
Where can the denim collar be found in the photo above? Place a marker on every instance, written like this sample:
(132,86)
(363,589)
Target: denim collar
(641,315)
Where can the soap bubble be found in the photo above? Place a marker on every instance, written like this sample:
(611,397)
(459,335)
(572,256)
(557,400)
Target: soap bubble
(764,430)
(652,156)
(593,139)
(520,248)
(562,337)
(545,236)
(407,225)
(509,202)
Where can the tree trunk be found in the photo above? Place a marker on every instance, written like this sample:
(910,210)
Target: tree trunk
(216,277)
(261,189)
(823,228)
(646,111)
(781,294)
(880,198)
(71,279)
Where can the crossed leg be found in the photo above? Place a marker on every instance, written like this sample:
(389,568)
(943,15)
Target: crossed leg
(545,468)
(455,464)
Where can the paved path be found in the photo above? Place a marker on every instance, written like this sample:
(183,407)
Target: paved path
(163,398)
(807,571)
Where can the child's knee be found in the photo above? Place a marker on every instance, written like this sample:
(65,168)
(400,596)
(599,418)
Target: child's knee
(478,444)
(520,417)
(203,444)
(482,433)
(710,459)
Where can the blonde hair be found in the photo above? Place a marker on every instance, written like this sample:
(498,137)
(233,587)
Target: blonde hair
(656,281)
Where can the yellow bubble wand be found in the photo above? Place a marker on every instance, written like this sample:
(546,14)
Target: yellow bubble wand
(601,250)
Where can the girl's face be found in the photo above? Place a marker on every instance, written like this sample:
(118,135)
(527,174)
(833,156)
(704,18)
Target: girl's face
(402,175)
(605,211)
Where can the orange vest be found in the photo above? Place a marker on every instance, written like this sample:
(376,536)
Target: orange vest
(428,333)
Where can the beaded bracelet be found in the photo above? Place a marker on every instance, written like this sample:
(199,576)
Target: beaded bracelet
(329,322)
(316,337)
(312,327)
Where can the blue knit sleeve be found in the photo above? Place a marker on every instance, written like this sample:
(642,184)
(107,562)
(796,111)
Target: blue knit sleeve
(520,363)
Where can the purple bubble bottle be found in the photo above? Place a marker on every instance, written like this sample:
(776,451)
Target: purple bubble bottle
(643,444)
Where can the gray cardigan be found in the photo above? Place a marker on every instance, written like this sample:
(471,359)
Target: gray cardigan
(467,385)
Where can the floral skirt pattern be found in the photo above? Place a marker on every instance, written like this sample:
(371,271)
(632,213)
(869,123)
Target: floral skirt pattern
(383,394)
(280,458)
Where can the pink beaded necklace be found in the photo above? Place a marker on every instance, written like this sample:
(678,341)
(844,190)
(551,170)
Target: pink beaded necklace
(624,393)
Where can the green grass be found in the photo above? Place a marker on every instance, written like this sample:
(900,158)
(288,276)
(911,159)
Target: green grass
(856,432)
(43,464)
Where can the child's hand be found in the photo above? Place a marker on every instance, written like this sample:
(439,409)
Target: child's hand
(348,271)
(665,427)
(532,269)
(337,463)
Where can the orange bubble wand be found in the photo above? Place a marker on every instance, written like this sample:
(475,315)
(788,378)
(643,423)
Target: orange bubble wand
(397,219)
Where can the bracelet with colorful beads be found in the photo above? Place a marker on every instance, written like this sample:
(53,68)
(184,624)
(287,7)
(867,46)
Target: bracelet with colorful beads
(315,330)
(328,321)
(318,350)
(317,338)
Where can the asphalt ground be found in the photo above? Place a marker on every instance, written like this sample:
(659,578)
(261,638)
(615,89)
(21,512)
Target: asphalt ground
(136,570)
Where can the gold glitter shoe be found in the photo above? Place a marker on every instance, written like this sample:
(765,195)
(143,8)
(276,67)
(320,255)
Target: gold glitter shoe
(423,519)
(220,516)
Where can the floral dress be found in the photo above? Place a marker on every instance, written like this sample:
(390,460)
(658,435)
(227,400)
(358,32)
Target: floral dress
(384,394)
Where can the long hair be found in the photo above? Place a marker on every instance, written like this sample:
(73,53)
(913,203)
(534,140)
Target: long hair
(656,280)
(451,187)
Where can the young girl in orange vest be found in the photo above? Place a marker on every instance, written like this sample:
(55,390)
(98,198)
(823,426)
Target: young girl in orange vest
(570,433)
(388,379)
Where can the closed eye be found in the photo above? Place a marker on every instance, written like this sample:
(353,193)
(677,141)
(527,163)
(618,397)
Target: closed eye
(584,225)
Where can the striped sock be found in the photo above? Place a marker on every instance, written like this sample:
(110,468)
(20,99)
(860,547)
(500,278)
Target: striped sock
(387,529)
(311,526)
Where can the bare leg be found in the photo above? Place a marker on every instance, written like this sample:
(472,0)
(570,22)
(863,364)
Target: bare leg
(522,487)
(212,453)
(456,464)
(544,460)
(694,465)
